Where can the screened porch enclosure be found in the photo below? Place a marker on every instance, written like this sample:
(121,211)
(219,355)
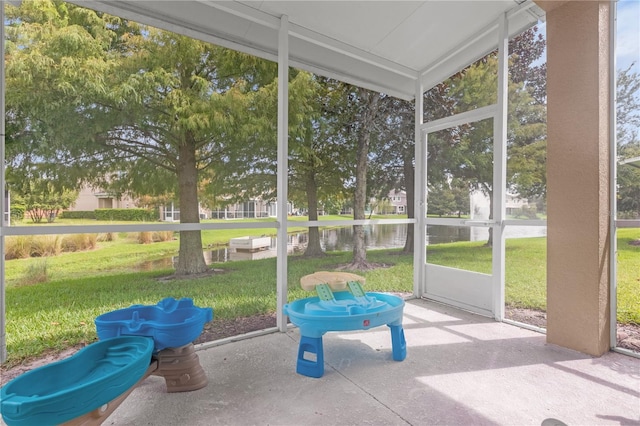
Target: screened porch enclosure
(389,47)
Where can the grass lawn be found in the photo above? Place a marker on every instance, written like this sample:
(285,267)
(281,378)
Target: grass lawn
(525,269)
(628,274)
(59,313)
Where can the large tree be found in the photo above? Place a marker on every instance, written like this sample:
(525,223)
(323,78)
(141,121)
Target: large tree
(392,160)
(392,156)
(132,108)
(366,103)
(319,150)
(628,107)
(318,154)
(471,159)
(628,141)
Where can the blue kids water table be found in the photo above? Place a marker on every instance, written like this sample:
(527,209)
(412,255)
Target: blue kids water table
(99,373)
(171,323)
(346,308)
(63,390)
(315,316)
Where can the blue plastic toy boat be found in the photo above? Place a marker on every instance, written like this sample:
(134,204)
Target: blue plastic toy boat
(171,323)
(61,391)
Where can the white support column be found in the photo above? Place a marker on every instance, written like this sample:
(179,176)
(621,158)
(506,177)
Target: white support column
(500,170)
(3,323)
(283,167)
(420,205)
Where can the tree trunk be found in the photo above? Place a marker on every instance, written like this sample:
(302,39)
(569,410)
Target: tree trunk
(190,257)
(359,249)
(409,183)
(490,240)
(313,246)
(371,101)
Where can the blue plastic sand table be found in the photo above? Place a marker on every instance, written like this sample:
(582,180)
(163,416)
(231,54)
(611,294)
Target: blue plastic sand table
(343,311)
(64,390)
(99,373)
(171,323)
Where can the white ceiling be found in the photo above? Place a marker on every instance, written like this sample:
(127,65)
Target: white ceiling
(381,45)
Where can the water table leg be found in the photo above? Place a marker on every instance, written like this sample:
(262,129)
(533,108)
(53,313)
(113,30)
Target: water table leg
(398,343)
(308,366)
(181,369)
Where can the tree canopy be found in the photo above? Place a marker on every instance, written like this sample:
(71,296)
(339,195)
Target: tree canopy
(628,142)
(94,98)
(98,99)
(42,201)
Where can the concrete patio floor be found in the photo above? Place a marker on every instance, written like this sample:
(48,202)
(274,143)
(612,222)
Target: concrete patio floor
(461,369)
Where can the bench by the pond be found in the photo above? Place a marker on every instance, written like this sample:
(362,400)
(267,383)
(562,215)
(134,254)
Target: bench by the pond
(250,243)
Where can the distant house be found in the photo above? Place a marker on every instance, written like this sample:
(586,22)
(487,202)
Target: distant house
(251,209)
(398,200)
(90,199)
(514,205)
(171,212)
(394,203)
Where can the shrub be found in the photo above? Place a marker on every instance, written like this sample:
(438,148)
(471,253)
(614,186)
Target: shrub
(80,214)
(148,237)
(18,247)
(131,215)
(17,213)
(109,236)
(160,236)
(530,212)
(25,246)
(145,237)
(629,214)
(79,242)
(46,245)
(36,273)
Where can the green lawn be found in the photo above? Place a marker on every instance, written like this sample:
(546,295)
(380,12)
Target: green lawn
(60,312)
(525,269)
(628,275)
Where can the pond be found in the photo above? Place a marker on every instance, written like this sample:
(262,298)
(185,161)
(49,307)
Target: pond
(341,239)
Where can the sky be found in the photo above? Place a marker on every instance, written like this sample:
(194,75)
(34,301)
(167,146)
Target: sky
(628,35)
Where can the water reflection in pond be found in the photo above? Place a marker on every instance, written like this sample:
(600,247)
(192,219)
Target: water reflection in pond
(341,239)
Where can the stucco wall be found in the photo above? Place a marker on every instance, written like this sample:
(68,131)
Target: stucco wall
(578,176)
